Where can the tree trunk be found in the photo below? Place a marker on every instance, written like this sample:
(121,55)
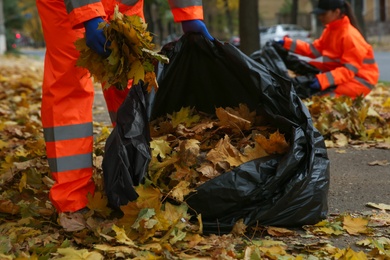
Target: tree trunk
(294,12)
(249,26)
(3,45)
(318,28)
(358,9)
(228,17)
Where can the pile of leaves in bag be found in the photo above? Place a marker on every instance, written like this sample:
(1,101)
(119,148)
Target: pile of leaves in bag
(154,226)
(189,148)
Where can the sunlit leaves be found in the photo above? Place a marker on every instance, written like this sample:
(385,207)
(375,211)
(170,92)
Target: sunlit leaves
(132,54)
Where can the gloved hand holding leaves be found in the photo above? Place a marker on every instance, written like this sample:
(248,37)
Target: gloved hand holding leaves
(196,26)
(95,38)
(131,55)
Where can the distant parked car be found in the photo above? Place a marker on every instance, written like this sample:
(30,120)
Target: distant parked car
(277,32)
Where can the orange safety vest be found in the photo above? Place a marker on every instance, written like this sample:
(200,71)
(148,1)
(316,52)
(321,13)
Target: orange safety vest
(68,92)
(347,59)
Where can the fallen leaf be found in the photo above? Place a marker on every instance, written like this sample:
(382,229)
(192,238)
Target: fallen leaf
(380,206)
(380,163)
(355,226)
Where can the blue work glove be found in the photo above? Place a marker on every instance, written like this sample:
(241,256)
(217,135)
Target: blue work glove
(95,38)
(315,84)
(196,26)
(281,42)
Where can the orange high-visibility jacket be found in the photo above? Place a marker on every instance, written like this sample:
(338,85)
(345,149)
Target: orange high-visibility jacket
(68,92)
(348,60)
(84,10)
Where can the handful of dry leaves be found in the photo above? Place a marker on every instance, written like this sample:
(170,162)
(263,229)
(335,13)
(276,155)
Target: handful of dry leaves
(132,53)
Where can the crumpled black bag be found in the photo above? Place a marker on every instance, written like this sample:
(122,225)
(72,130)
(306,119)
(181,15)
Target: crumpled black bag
(279,60)
(127,150)
(280,190)
(288,190)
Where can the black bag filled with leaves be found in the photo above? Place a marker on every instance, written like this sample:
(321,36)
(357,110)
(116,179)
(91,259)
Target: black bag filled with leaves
(127,152)
(280,61)
(284,190)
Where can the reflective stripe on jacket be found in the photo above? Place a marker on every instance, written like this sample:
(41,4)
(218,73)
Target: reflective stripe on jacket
(83,10)
(346,56)
(184,10)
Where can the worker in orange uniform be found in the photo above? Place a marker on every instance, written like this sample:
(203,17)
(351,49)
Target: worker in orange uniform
(68,92)
(348,67)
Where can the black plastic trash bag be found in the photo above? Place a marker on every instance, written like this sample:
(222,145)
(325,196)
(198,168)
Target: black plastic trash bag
(127,151)
(279,60)
(201,74)
(288,190)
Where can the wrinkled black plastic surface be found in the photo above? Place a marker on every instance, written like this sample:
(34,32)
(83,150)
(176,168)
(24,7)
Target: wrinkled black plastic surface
(127,152)
(279,60)
(288,190)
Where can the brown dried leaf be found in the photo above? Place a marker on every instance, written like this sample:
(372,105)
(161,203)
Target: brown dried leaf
(6,206)
(279,232)
(231,120)
(275,144)
(239,228)
(381,163)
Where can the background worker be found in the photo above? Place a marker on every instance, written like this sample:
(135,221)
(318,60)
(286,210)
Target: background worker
(68,92)
(348,67)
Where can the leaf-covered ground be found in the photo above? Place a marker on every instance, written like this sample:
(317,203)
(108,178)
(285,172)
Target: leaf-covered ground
(153,228)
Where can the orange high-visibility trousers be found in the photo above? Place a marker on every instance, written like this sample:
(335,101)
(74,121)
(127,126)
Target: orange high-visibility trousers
(67,99)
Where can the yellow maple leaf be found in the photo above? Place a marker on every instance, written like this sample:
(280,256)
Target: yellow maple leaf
(174,213)
(130,214)
(149,197)
(3,144)
(122,237)
(386,103)
(71,253)
(355,226)
(98,203)
(348,253)
(136,72)
(181,190)
(184,116)
(23,182)
(160,147)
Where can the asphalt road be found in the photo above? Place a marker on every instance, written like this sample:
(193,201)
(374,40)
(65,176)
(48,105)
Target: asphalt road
(383,60)
(354,182)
